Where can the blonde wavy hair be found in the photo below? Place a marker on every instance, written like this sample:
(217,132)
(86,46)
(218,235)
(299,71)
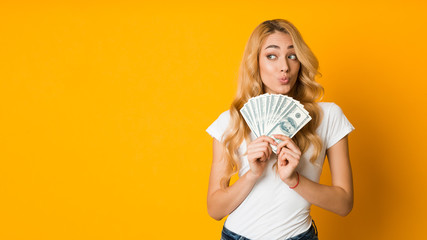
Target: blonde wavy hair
(306,90)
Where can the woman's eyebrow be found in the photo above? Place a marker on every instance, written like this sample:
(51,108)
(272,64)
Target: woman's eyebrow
(275,46)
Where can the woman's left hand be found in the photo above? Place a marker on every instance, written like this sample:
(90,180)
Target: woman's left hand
(288,156)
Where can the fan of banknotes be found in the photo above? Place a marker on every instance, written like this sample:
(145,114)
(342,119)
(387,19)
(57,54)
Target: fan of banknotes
(270,114)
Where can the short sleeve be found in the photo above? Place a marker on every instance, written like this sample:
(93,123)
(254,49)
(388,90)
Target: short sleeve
(338,125)
(218,127)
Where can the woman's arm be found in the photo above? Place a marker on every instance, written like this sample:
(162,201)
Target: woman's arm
(338,197)
(222,198)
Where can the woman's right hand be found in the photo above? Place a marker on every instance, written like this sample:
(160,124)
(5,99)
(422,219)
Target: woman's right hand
(259,151)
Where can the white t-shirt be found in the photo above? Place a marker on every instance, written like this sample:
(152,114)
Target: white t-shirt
(272,210)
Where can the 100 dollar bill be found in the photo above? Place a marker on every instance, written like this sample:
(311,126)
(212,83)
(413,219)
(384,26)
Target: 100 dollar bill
(290,124)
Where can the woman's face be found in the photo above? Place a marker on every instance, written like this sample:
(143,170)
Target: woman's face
(278,63)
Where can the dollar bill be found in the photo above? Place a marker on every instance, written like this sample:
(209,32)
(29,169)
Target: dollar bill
(291,123)
(270,114)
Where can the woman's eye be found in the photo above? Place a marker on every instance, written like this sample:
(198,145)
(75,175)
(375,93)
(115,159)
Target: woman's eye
(293,57)
(271,56)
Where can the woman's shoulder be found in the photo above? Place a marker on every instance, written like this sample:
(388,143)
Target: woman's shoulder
(225,116)
(327,105)
(330,109)
(218,127)
(334,124)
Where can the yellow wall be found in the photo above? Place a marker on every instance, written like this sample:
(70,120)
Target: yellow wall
(104,108)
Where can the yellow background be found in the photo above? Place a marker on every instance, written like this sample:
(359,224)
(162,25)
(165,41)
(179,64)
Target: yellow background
(104,107)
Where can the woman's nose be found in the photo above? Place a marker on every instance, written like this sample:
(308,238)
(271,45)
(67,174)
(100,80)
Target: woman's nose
(284,66)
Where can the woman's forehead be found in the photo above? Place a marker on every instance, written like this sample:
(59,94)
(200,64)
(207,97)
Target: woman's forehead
(278,40)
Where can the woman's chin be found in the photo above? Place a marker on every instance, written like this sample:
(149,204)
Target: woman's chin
(279,91)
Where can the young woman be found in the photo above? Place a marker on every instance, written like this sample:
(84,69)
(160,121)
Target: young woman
(272,197)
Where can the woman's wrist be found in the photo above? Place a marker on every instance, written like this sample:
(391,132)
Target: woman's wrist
(252,176)
(293,180)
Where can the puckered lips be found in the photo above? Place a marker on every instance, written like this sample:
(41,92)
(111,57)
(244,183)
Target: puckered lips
(284,80)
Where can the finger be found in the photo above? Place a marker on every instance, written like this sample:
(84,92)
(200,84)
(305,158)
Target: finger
(270,151)
(282,161)
(290,152)
(289,159)
(266,139)
(255,156)
(293,162)
(265,145)
(283,142)
(258,144)
(281,137)
(282,155)
(263,155)
(281,147)
(267,153)
(258,149)
(289,143)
